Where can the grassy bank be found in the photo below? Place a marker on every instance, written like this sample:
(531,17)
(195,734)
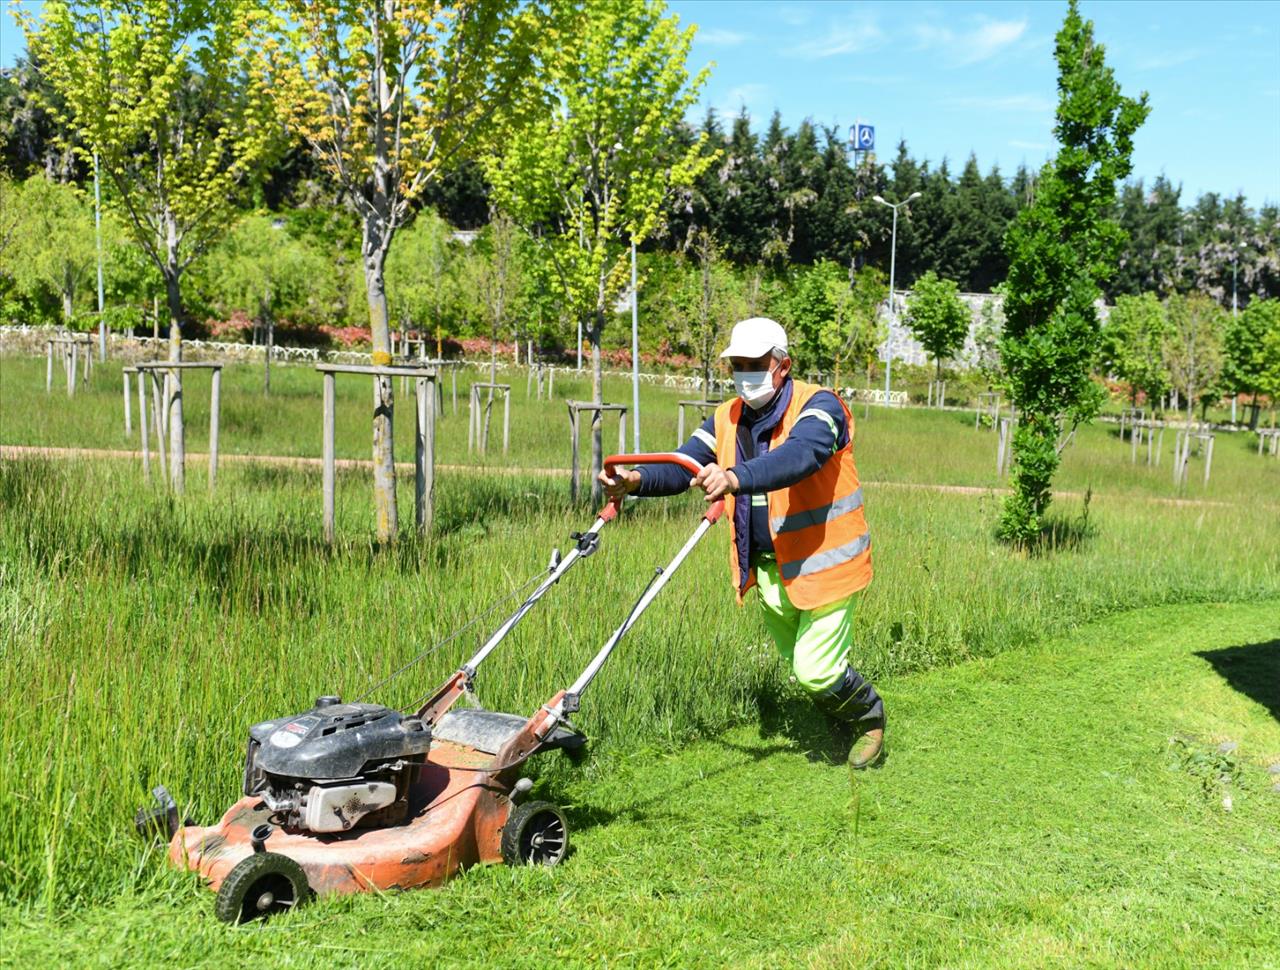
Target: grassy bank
(1061,806)
(140,635)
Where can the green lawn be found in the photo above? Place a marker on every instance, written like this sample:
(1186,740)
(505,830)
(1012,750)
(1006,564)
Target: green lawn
(1032,811)
(1058,806)
(914,445)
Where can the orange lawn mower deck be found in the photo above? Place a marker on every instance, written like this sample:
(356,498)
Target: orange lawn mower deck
(352,797)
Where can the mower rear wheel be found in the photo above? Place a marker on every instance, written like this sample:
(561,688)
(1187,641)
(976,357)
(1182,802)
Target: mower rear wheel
(536,834)
(259,887)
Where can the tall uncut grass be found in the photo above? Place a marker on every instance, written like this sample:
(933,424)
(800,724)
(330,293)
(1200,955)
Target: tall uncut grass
(913,445)
(140,635)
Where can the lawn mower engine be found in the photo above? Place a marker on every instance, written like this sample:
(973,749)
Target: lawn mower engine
(337,766)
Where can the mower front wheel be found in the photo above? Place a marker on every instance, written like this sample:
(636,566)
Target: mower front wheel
(259,887)
(536,834)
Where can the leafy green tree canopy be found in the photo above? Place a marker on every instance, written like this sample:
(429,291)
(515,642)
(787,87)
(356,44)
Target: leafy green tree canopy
(1132,342)
(595,160)
(53,249)
(938,317)
(1250,358)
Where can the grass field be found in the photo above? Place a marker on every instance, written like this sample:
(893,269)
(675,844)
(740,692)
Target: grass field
(1060,806)
(140,635)
(915,446)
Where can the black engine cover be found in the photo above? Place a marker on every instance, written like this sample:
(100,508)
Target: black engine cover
(335,741)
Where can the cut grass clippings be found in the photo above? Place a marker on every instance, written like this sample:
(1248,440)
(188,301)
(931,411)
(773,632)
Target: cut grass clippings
(1035,810)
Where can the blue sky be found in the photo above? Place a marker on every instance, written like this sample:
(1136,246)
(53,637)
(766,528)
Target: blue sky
(954,77)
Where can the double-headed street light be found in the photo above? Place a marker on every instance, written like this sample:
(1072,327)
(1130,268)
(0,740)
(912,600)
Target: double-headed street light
(893,306)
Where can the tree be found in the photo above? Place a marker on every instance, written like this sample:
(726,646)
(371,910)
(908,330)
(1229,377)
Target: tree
(718,304)
(1193,346)
(389,94)
(1270,383)
(422,275)
(986,339)
(741,222)
(262,269)
(32,138)
(54,247)
(500,282)
(1132,345)
(857,317)
(592,169)
(159,91)
(938,317)
(808,314)
(1249,360)
(1059,248)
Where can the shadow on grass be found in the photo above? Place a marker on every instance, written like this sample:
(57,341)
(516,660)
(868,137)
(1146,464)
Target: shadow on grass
(1061,534)
(1058,533)
(795,718)
(651,808)
(1252,669)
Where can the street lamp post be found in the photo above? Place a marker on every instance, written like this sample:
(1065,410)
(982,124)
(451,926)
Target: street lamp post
(1235,261)
(97,231)
(893,305)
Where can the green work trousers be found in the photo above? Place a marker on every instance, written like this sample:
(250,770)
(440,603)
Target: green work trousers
(815,643)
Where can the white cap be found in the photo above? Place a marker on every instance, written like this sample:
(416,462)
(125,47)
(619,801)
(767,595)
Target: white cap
(755,338)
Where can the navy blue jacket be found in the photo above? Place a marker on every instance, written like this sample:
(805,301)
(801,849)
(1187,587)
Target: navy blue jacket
(820,432)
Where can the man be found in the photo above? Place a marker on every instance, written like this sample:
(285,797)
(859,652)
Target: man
(781,455)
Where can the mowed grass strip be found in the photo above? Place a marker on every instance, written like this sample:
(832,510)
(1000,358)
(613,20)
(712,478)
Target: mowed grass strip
(1060,806)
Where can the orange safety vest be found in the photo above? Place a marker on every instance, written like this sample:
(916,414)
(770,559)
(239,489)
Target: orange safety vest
(818,528)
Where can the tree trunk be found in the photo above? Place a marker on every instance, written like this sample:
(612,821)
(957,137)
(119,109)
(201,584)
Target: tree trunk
(384,469)
(177,435)
(68,298)
(266,368)
(596,334)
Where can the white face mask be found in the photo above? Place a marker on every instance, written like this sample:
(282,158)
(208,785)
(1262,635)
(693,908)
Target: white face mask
(755,387)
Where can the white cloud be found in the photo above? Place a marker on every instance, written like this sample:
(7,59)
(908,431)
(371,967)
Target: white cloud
(794,14)
(1160,61)
(719,37)
(753,97)
(963,47)
(859,33)
(873,80)
(1011,102)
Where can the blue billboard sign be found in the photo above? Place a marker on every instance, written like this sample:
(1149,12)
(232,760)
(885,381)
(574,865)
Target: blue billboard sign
(862,138)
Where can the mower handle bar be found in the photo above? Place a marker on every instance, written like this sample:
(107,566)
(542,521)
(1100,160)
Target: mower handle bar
(658,458)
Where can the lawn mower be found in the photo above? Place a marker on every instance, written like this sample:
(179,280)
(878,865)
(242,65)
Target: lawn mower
(351,797)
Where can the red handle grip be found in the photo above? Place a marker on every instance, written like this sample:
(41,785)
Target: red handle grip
(660,458)
(653,458)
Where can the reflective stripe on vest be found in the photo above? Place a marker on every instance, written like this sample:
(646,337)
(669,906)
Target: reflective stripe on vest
(828,559)
(825,513)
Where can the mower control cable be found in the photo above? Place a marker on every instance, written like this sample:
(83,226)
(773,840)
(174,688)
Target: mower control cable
(452,636)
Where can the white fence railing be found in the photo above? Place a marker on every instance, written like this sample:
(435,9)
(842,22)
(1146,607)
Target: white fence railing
(30,339)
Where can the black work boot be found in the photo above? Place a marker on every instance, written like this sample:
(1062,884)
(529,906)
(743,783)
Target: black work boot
(855,702)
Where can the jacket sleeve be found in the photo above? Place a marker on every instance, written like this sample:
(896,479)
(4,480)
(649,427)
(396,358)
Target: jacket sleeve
(819,432)
(672,479)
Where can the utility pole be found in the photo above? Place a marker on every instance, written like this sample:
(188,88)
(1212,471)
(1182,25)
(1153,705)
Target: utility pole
(1235,262)
(635,352)
(97,228)
(893,303)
